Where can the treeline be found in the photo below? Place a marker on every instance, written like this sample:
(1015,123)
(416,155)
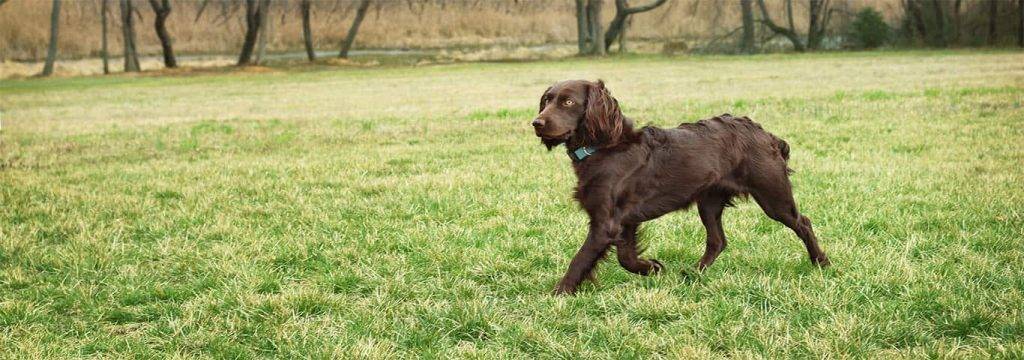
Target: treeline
(256,14)
(250,27)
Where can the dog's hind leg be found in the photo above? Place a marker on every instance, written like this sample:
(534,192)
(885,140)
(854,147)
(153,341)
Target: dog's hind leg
(776,199)
(628,254)
(710,209)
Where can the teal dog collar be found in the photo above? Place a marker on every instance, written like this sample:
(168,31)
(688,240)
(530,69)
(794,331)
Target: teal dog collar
(582,153)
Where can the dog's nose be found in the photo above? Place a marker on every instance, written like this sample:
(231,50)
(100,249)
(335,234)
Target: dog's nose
(537,123)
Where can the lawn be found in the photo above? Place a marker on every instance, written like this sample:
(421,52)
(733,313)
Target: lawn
(401,211)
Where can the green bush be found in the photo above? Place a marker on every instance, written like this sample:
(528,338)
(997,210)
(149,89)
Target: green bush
(869,30)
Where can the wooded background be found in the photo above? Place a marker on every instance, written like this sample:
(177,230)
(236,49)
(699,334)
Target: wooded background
(219,26)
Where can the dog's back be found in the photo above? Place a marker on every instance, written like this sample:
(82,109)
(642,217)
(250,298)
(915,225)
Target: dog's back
(739,134)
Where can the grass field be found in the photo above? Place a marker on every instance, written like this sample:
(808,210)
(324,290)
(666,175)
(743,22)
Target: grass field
(400,211)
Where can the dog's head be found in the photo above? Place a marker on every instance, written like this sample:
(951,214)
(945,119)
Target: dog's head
(583,111)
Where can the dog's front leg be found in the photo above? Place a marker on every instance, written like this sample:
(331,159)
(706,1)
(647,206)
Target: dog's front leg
(602,231)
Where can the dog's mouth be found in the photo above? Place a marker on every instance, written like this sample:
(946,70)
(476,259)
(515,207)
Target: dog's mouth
(563,136)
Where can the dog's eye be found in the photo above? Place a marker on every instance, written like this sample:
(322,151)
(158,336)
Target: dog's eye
(568,103)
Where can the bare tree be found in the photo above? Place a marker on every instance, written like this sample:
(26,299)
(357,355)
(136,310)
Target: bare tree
(597,45)
(747,41)
(912,9)
(582,26)
(131,55)
(789,33)
(622,13)
(352,30)
(104,52)
(622,34)
(789,15)
(817,22)
(51,52)
(254,13)
(265,29)
(939,35)
(162,8)
(307,31)
(957,21)
(993,14)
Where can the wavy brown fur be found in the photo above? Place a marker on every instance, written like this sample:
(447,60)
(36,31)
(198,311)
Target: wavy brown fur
(640,175)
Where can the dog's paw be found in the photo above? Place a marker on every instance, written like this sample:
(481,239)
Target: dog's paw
(563,290)
(821,261)
(656,267)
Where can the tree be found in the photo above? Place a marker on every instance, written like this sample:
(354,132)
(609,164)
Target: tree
(104,52)
(582,26)
(51,52)
(1020,23)
(591,38)
(957,21)
(939,35)
(789,15)
(747,41)
(993,13)
(597,42)
(789,33)
(261,40)
(131,56)
(818,18)
(254,13)
(915,17)
(162,8)
(622,13)
(307,31)
(622,34)
(352,30)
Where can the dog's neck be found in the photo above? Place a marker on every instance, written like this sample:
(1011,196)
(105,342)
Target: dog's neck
(580,148)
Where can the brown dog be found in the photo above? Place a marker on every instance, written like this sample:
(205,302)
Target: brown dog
(626,177)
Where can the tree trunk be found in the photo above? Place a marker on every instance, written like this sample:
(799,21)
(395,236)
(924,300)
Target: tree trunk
(939,33)
(622,13)
(51,52)
(1020,23)
(162,8)
(747,41)
(622,35)
(131,56)
(957,21)
(261,42)
(253,13)
(307,31)
(352,30)
(790,34)
(582,30)
(993,13)
(789,16)
(104,52)
(917,19)
(816,23)
(597,43)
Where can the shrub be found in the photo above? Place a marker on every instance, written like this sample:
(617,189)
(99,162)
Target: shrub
(869,30)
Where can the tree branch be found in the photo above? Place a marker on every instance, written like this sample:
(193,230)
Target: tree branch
(789,34)
(621,13)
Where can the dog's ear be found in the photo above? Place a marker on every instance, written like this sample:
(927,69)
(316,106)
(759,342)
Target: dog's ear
(542,95)
(603,120)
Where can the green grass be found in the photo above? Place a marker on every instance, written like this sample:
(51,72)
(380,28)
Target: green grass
(410,211)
